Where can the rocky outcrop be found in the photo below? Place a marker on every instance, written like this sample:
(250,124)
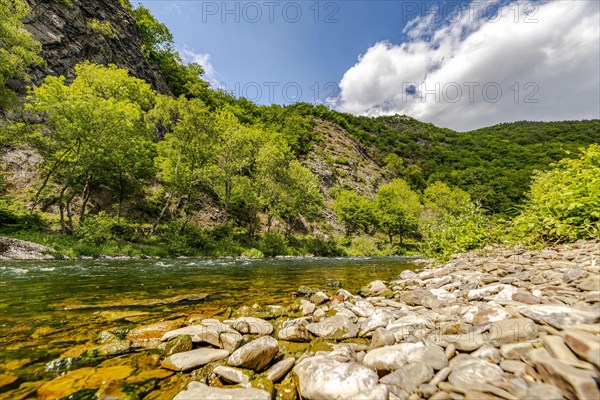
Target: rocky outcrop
(98,31)
(14,249)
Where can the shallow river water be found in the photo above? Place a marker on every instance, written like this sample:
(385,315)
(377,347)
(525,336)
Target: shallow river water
(47,307)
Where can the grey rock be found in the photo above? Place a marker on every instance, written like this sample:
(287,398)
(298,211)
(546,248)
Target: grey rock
(321,378)
(278,370)
(296,333)
(378,319)
(382,337)
(559,316)
(487,353)
(319,298)
(232,375)
(410,376)
(14,249)
(513,366)
(512,330)
(591,284)
(307,307)
(544,391)
(475,372)
(576,382)
(255,355)
(251,325)
(189,360)
(514,351)
(336,327)
(585,344)
(391,358)
(198,390)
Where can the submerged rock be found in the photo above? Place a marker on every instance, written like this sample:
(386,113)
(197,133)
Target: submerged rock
(189,360)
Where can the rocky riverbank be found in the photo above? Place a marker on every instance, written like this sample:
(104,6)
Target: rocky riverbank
(508,324)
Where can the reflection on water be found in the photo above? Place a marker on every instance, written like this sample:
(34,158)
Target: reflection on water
(46,307)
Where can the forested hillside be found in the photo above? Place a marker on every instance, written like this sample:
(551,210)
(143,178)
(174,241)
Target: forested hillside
(144,158)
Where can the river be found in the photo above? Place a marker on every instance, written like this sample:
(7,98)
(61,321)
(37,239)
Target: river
(48,307)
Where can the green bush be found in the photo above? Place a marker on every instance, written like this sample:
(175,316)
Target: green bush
(95,230)
(361,246)
(564,203)
(273,244)
(453,233)
(253,253)
(14,218)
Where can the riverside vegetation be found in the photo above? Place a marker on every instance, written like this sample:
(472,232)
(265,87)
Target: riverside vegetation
(101,163)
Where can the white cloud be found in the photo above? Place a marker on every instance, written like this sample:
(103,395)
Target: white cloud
(554,61)
(190,56)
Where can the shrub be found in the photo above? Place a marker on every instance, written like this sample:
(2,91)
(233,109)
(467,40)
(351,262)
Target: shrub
(102,28)
(273,244)
(95,230)
(564,203)
(253,253)
(363,246)
(451,233)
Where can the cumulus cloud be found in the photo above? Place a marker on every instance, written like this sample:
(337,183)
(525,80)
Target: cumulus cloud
(190,56)
(528,61)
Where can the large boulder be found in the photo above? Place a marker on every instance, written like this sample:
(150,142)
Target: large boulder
(391,358)
(255,355)
(324,378)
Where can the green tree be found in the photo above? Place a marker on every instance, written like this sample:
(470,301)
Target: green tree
(442,199)
(398,209)
(354,211)
(184,152)
(92,135)
(302,198)
(564,203)
(232,159)
(18,49)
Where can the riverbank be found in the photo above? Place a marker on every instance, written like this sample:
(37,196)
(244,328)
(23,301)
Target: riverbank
(508,324)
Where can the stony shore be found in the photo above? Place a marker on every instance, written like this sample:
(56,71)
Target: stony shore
(504,325)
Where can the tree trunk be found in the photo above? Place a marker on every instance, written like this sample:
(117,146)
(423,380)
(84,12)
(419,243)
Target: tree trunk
(162,212)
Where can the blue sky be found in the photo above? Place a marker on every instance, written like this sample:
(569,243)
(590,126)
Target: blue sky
(461,64)
(317,49)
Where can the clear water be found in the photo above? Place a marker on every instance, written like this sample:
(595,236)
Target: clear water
(47,307)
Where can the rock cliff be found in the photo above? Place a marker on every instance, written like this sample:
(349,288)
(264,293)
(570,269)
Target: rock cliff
(98,31)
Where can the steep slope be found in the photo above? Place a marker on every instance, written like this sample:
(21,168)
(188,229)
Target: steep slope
(98,31)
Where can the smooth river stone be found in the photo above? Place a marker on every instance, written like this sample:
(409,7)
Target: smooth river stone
(189,360)
(251,325)
(336,327)
(255,355)
(277,371)
(198,390)
(323,378)
(391,358)
(559,316)
(475,372)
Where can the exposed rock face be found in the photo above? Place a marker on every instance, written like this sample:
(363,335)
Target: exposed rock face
(13,249)
(68,39)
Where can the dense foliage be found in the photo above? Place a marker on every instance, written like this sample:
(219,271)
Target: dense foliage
(494,165)
(564,203)
(127,170)
(18,49)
